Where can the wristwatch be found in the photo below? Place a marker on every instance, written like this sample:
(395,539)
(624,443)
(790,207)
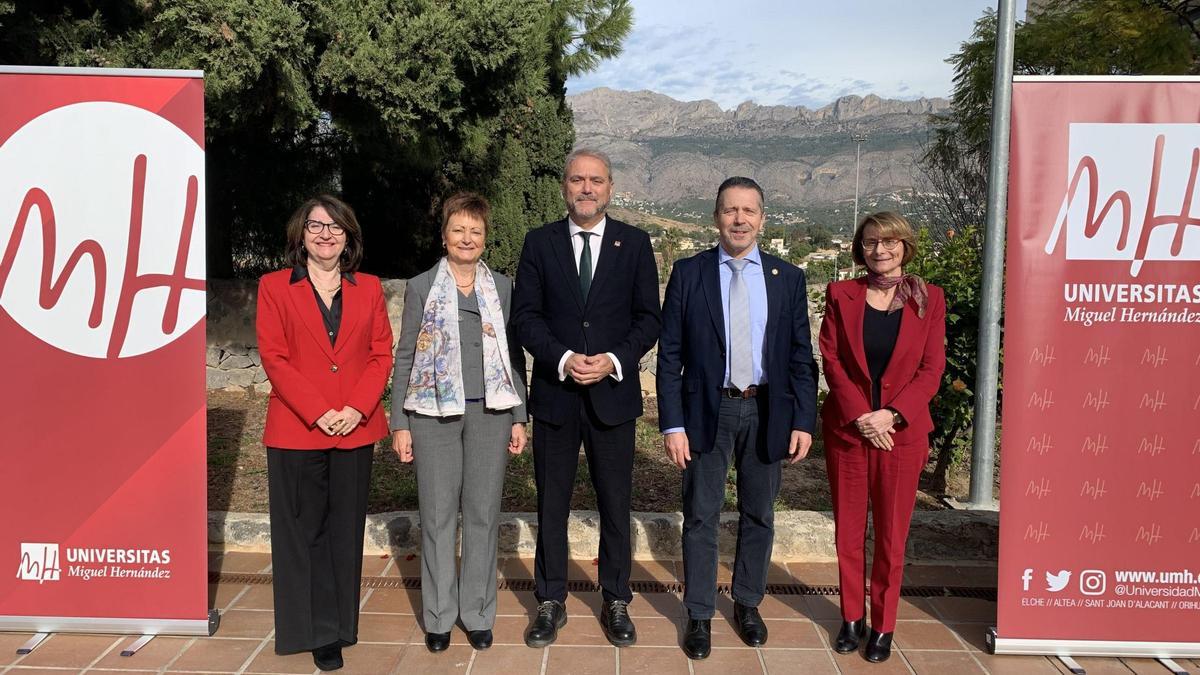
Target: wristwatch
(897,418)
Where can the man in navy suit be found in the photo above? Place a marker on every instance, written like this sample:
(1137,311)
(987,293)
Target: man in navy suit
(586,307)
(736,383)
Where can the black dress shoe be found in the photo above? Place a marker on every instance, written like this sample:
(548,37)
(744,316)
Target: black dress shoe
(437,642)
(849,636)
(697,639)
(750,626)
(551,615)
(328,657)
(618,627)
(480,639)
(879,647)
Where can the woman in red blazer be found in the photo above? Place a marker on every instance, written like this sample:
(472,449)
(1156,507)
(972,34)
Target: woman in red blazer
(326,344)
(883,347)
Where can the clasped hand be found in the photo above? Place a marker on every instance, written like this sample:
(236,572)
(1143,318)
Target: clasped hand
(587,370)
(339,422)
(877,427)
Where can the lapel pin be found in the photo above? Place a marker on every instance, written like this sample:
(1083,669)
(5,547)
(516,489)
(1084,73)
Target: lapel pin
(775,271)
(617,243)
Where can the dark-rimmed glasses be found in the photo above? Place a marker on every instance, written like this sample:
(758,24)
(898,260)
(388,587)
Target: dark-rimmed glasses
(316,226)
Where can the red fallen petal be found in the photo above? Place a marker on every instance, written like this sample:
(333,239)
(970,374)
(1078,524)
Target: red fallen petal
(595,562)
(410,556)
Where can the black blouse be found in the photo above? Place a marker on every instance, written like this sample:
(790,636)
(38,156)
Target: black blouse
(331,315)
(880,331)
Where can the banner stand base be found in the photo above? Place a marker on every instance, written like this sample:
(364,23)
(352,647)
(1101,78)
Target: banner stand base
(137,645)
(1175,668)
(1163,651)
(1072,665)
(44,625)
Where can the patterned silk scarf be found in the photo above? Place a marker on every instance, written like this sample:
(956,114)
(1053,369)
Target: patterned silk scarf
(435,387)
(907,286)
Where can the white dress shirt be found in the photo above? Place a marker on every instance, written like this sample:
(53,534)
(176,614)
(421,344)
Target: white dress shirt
(577,247)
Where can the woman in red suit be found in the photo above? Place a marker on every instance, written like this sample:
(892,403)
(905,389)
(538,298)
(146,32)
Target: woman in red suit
(326,345)
(883,347)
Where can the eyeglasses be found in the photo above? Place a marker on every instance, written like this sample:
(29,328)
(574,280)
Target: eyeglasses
(888,244)
(316,226)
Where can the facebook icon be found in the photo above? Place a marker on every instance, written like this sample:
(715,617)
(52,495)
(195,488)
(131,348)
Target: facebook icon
(1026,577)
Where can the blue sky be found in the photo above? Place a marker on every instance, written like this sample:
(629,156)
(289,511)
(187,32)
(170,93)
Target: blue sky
(790,52)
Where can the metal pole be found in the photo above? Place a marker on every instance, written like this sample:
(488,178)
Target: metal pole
(983,449)
(859,139)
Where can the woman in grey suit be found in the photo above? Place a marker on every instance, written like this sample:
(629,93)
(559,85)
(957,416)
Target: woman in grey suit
(458,409)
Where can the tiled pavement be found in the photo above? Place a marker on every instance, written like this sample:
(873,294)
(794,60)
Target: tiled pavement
(935,635)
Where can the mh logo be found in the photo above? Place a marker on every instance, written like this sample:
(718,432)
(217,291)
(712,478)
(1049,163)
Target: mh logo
(1041,401)
(1039,488)
(1040,445)
(1120,203)
(1153,445)
(1097,356)
(1153,402)
(1037,534)
(1093,534)
(1094,489)
(1043,356)
(1155,358)
(1097,446)
(39,562)
(1098,401)
(103,231)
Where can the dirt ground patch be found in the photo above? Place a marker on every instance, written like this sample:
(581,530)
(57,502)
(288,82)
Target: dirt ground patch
(237,470)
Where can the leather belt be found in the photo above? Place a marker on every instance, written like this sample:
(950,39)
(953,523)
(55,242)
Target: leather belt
(734,392)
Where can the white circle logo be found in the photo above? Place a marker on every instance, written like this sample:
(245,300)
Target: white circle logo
(102,230)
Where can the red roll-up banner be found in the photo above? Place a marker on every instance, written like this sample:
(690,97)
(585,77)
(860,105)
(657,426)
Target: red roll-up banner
(1100,489)
(102,346)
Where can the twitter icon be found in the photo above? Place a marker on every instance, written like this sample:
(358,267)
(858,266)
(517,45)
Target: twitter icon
(1057,582)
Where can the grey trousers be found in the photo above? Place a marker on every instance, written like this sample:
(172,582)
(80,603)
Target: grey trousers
(460,464)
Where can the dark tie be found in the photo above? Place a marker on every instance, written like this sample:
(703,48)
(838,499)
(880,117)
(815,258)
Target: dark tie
(741,359)
(585,264)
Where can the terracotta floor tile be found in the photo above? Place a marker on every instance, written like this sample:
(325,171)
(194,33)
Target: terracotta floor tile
(394,601)
(814,574)
(582,570)
(246,623)
(1147,666)
(855,664)
(220,595)
(407,566)
(650,605)
(515,603)
(823,607)
(372,659)
(215,654)
(582,629)
(652,661)
(915,609)
(970,634)
(373,565)
(18,670)
(723,632)
(1011,664)
(394,628)
(729,661)
(9,643)
(244,562)
(156,654)
(516,568)
(925,635)
(931,575)
(940,663)
(582,660)
(783,607)
(268,661)
(508,660)
(416,660)
(793,634)
(654,570)
(584,604)
(510,630)
(778,573)
(256,597)
(1106,666)
(657,632)
(65,650)
(964,610)
(807,661)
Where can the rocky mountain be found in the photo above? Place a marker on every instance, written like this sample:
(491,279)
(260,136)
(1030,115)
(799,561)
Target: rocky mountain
(666,151)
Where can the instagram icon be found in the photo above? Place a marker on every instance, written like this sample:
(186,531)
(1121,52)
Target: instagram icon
(1092,582)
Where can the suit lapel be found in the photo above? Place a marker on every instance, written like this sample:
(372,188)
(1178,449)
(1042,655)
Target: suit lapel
(856,305)
(610,252)
(911,328)
(775,293)
(305,304)
(710,280)
(560,241)
(354,310)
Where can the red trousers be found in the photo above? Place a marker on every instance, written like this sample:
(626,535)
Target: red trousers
(859,473)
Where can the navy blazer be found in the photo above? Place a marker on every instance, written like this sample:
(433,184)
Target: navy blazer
(621,316)
(692,355)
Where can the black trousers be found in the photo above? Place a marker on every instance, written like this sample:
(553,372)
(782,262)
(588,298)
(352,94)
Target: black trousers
(758,482)
(609,451)
(318,510)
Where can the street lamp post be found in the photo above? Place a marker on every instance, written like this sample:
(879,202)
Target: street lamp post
(858,139)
